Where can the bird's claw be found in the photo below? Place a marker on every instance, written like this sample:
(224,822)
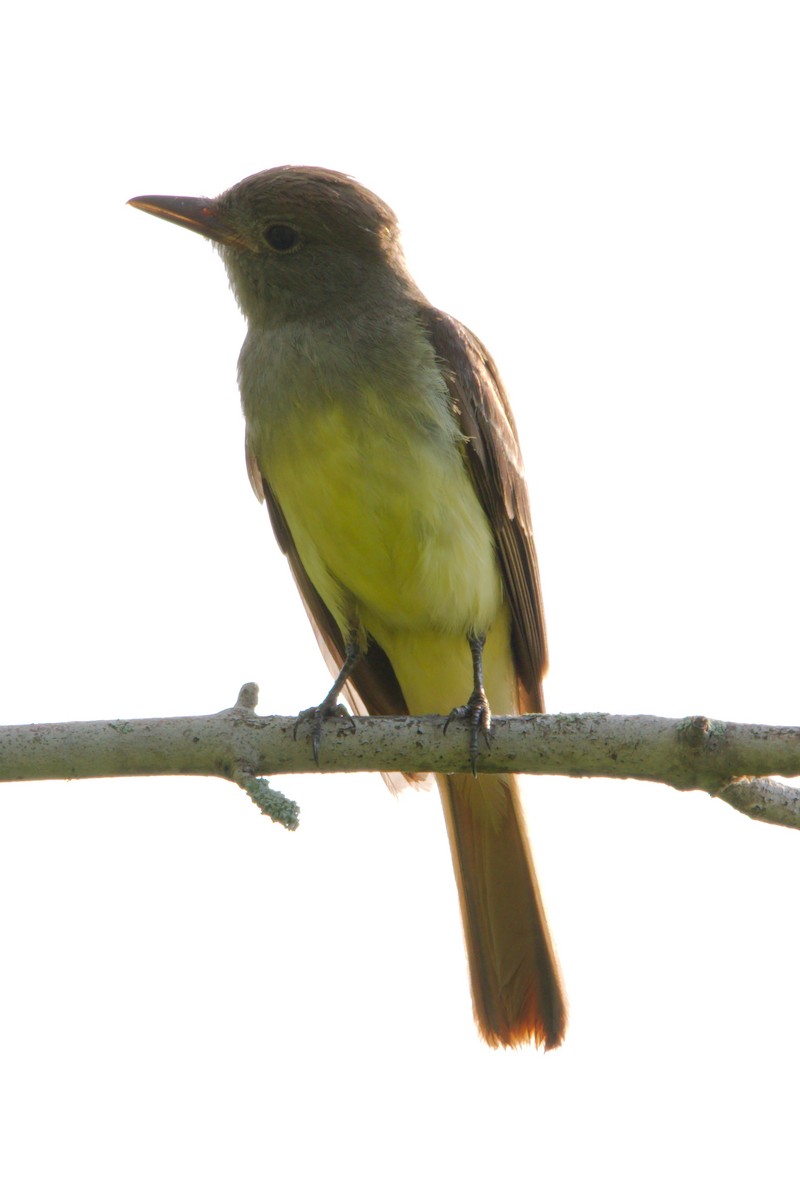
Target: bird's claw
(318,715)
(479,715)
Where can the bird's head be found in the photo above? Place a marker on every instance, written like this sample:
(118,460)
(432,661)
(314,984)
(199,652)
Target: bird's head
(294,239)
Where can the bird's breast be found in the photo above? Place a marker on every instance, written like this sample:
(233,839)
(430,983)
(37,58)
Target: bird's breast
(373,484)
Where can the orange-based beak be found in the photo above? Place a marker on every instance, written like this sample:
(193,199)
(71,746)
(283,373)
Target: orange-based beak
(193,212)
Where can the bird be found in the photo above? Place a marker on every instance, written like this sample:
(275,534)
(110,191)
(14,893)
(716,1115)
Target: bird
(380,437)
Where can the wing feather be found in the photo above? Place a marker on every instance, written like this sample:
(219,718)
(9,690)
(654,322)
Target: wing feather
(494,460)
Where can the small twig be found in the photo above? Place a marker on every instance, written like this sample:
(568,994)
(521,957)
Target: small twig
(764,800)
(272,803)
(269,800)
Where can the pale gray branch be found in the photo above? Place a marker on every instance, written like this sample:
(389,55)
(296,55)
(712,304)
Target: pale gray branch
(718,757)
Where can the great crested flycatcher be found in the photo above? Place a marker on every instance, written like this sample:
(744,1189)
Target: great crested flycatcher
(380,437)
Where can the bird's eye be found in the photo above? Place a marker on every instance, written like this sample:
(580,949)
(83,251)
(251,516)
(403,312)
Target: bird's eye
(281,237)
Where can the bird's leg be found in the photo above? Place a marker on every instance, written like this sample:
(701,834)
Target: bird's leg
(476,710)
(330,706)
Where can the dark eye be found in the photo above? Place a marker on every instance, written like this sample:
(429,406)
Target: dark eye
(281,237)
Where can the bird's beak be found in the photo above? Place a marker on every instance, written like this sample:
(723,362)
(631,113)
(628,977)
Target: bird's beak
(194,212)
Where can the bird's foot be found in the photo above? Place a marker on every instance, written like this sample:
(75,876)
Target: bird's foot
(317,716)
(479,715)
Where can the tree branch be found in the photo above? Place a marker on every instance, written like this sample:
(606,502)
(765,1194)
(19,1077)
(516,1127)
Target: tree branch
(718,757)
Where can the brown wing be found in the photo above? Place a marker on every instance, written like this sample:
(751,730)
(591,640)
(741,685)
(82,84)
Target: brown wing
(493,457)
(373,687)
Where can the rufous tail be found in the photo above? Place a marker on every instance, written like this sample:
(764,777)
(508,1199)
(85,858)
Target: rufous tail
(516,984)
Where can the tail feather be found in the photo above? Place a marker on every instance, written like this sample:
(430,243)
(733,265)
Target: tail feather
(516,984)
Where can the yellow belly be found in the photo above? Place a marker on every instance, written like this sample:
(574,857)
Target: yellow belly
(386,521)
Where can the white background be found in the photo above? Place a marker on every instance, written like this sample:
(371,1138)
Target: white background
(196,1003)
